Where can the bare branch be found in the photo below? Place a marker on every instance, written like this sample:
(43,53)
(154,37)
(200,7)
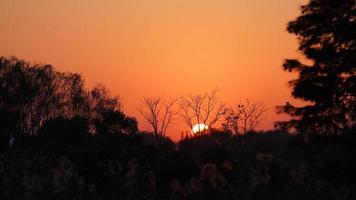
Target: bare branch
(158,113)
(245,116)
(202,108)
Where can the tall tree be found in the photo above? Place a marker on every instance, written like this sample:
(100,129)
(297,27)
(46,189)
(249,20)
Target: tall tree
(326,32)
(28,90)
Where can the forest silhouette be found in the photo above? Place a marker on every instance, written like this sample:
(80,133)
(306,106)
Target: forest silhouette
(60,140)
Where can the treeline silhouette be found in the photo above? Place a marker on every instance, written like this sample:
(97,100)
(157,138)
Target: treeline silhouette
(34,95)
(71,143)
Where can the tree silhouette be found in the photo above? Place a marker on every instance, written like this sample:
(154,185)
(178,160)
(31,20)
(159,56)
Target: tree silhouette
(244,117)
(159,113)
(106,116)
(203,108)
(31,91)
(34,94)
(326,35)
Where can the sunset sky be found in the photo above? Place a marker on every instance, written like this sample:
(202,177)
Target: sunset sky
(141,48)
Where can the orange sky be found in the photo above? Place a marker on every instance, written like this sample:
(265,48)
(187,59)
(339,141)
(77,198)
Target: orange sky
(141,48)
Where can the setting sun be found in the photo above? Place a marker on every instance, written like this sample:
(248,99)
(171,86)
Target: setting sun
(199,127)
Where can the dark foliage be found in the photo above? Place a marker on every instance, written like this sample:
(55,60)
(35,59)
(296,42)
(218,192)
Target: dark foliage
(36,96)
(326,32)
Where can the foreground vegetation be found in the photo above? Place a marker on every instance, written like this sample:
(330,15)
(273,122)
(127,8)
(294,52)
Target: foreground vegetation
(216,165)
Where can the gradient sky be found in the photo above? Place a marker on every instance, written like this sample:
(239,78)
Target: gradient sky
(141,48)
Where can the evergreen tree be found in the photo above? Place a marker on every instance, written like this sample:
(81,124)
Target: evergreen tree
(326,31)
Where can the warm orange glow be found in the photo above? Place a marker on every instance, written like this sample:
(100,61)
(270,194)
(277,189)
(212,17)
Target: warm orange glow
(152,48)
(199,128)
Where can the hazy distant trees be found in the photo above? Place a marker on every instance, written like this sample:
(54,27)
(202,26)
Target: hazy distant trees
(243,117)
(160,113)
(34,94)
(326,35)
(204,108)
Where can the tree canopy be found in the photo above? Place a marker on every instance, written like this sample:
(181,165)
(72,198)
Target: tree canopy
(32,95)
(326,32)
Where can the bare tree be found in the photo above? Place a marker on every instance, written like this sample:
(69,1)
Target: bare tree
(202,109)
(244,117)
(159,114)
(241,119)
